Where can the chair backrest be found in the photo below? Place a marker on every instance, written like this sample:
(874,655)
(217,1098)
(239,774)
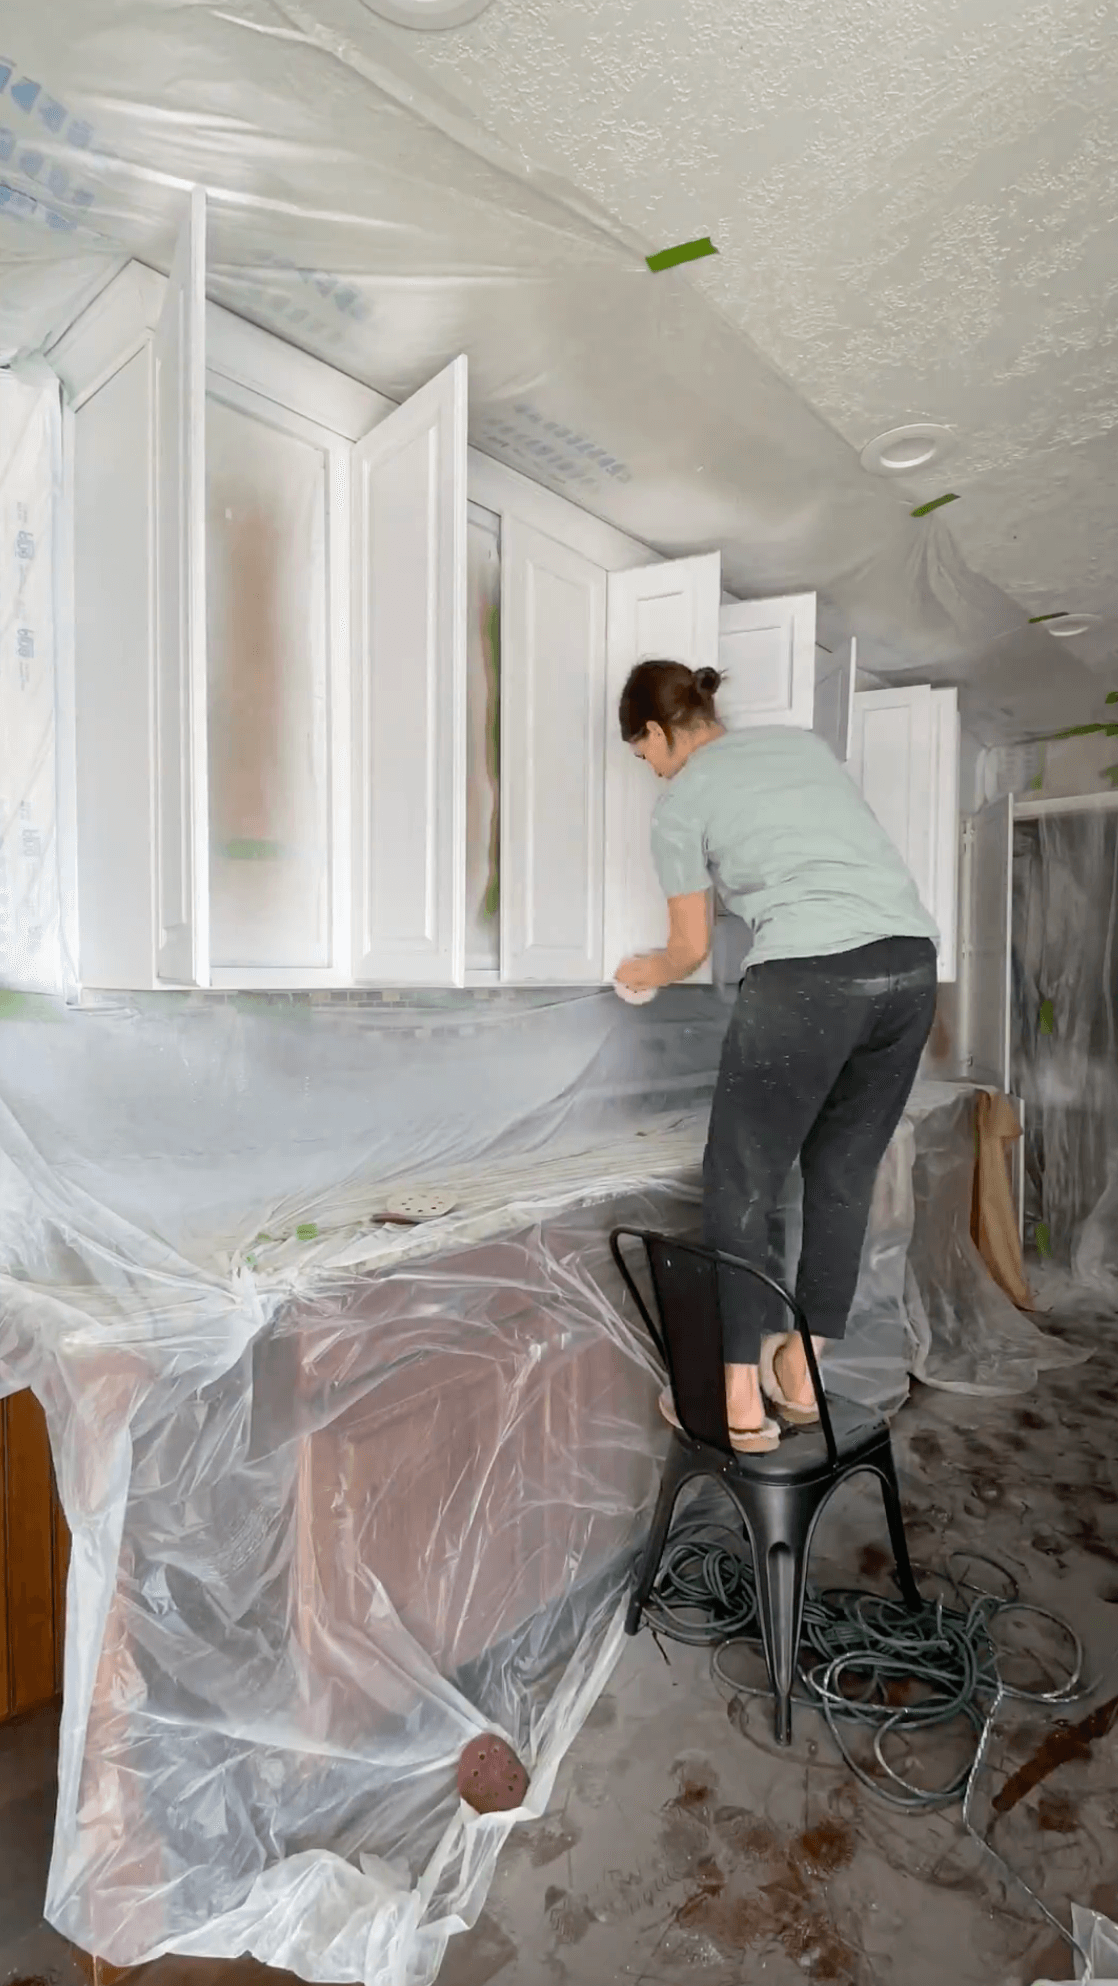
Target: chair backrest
(687,1281)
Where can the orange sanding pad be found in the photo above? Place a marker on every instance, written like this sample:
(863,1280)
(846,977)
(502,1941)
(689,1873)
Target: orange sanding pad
(491,1778)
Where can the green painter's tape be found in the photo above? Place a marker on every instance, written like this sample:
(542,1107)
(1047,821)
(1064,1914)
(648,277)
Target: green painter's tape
(937,503)
(253,851)
(1046,1019)
(688,251)
(26,1006)
(307,1231)
(1036,620)
(1043,1239)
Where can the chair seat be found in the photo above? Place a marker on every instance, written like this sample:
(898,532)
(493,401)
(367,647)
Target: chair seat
(802,1454)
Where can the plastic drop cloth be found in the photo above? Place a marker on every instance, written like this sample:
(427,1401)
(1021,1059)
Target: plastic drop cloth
(359,211)
(1065,984)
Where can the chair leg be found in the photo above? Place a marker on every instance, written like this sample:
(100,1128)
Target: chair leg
(671,1483)
(779,1526)
(894,1513)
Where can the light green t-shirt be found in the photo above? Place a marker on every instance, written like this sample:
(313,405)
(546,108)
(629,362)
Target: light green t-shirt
(779,827)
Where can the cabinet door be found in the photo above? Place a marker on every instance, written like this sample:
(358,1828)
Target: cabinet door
(409,691)
(553,617)
(667,611)
(182,869)
(945,825)
(891,761)
(766,652)
(834,701)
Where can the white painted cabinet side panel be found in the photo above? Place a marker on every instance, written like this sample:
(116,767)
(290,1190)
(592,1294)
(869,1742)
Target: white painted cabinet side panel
(667,612)
(409,691)
(182,804)
(891,762)
(114,649)
(766,653)
(553,620)
(988,913)
(945,826)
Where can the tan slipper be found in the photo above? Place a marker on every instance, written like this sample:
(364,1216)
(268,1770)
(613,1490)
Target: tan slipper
(743,1440)
(772,1389)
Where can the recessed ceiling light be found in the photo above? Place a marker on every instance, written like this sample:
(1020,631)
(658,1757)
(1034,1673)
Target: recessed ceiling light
(427,13)
(1071,624)
(903,451)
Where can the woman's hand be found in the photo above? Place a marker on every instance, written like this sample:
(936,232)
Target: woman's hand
(641,975)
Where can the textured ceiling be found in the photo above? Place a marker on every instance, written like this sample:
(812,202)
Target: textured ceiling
(916,210)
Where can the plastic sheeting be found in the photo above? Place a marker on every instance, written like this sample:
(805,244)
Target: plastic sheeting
(1066,1022)
(329,1524)
(359,211)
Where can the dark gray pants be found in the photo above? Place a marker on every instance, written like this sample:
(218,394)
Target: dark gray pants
(818,1062)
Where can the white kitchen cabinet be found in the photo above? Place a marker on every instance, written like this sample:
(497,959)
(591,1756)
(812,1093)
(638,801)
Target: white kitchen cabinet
(766,655)
(904,757)
(670,611)
(269,737)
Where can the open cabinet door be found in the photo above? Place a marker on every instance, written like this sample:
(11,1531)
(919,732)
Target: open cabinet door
(833,713)
(668,611)
(891,762)
(553,616)
(409,691)
(987,934)
(182,858)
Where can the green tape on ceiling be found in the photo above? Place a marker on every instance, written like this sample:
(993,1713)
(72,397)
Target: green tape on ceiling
(1043,1239)
(252,851)
(937,503)
(1036,620)
(1046,1019)
(688,251)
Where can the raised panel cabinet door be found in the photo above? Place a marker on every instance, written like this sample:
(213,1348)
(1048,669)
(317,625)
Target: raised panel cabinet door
(182,869)
(553,618)
(891,762)
(987,938)
(945,825)
(766,653)
(409,691)
(663,612)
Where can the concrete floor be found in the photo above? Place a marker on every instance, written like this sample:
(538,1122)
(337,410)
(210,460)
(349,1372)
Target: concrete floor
(681,1846)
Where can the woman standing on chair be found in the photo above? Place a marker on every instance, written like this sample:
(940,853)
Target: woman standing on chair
(834,1009)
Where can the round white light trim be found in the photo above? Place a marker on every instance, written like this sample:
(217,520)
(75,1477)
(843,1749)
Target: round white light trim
(1070,625)
(903,451)
(427,13)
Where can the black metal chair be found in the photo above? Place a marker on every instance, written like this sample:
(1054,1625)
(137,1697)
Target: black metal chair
(779,1496)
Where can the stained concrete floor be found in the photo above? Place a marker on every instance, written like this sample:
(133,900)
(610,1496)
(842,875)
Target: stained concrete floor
(682,1846)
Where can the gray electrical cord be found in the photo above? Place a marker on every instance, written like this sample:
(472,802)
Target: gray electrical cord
(864,1645)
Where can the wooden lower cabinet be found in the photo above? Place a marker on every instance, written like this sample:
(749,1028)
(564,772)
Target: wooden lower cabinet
(34,1558)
